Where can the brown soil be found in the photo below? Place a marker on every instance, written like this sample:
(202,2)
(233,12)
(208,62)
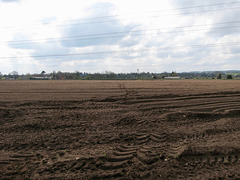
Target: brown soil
(186,129)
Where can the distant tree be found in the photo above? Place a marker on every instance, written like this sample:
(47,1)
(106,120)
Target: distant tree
(43,72)
(229,76)
(14,74)
(27,76)
(60,75)
(54,75)
(219,76)
(110,75)
(77,75)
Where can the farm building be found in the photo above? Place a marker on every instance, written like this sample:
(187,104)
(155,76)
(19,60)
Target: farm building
(40,78)
(172,77)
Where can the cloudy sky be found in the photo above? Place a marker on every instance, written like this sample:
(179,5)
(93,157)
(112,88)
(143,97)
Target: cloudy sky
(119,35)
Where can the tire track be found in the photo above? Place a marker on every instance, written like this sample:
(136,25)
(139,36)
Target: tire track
(205,105)
(222,163)
(206,160)
(175,98)
(124,156)
(219,107)
(144,138)
(113,165)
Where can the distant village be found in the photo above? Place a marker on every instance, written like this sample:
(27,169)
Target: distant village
(108,75)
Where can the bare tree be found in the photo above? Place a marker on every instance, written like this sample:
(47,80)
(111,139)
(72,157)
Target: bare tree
(14,74)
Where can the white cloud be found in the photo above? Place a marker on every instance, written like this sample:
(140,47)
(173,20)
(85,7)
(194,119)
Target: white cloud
(41,21)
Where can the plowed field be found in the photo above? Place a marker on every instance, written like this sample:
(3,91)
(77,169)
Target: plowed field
(173,129)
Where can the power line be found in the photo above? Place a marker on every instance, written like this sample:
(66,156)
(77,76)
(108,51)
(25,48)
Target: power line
(68,38)
(128,51)
(58,60)
(119,36)
(155,16)
(191,7)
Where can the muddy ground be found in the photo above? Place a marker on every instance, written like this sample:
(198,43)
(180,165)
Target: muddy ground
(174,129)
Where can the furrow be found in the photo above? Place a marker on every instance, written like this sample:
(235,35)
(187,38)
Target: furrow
(119,158)
(107,174)
(124,153)
(114,165)
(139,138)
(147,160)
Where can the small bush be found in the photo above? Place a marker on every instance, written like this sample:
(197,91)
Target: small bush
(229,76)
(219,76)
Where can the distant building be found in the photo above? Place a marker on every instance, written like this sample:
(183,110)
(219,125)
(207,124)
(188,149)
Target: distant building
(40,78)
(172,77)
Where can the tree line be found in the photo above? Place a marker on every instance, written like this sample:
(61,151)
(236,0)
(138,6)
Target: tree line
(109,75)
